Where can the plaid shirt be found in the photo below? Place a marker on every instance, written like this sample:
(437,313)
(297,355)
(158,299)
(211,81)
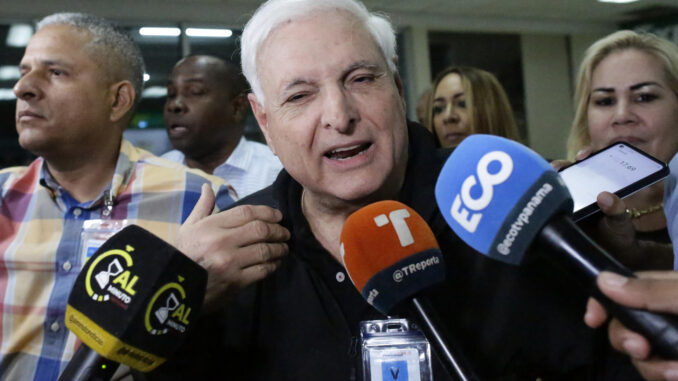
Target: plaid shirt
(40,252)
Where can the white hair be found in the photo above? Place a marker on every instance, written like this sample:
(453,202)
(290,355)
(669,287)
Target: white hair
(275,12)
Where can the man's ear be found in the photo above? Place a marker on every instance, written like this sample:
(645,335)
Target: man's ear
(261,117)
(239,104)
(121,99)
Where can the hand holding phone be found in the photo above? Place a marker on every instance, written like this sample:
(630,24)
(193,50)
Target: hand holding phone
(619,168)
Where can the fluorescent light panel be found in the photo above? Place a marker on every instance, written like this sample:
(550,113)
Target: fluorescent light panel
(18,35)
(617,1)
(7,95)
(157,31)
(204,32)
(154,92)
(8,73)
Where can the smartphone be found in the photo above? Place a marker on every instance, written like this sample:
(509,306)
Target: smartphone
(620,168)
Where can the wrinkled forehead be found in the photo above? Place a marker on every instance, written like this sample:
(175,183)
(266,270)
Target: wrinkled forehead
(192,69)
(55,38)
(308,28)
(316,42)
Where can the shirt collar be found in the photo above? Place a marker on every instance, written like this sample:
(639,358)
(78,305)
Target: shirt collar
(124,168)
(424,164)
(241,157)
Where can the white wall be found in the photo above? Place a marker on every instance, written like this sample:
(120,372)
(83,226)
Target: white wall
(548,92)
(578,45)
(418,65)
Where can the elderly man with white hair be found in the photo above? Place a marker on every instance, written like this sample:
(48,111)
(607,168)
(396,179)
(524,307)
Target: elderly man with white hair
(328,97)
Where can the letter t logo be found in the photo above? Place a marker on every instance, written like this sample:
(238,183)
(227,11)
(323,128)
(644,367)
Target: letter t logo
(397,217)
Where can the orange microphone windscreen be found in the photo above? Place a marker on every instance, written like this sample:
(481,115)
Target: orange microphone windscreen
(387,249)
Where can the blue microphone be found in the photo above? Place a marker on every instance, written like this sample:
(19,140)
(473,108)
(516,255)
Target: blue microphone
(500,197)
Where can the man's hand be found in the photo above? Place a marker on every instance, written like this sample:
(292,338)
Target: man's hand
(654,291)
(237,247)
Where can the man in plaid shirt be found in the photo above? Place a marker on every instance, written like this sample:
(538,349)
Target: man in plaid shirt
(81,78)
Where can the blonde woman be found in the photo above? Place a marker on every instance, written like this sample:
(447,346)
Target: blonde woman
(627,90)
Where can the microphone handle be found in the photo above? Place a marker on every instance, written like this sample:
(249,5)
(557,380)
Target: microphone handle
(585,259)
(452,362)
(87,365)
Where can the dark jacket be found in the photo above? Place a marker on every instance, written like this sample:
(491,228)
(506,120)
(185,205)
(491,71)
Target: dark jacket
(302,322)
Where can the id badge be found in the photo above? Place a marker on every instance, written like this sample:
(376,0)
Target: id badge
(393,350)
(95,233)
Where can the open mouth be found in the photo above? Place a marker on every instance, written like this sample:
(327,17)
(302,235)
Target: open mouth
(346,153)
(176,129)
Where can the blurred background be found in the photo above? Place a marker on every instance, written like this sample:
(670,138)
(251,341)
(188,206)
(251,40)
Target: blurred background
(532,46)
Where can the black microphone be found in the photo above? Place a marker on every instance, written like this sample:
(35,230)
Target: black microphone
(500,196)
(391,254)
(133,303)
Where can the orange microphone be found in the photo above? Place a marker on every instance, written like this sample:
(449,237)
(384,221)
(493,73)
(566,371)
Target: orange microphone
(391,254)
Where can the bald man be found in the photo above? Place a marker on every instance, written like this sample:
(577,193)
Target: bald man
(204,115)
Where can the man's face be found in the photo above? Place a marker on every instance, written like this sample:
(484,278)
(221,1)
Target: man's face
(62,96)
(333,113)
(199,113)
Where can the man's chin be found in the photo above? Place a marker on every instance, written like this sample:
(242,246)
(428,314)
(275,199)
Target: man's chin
(360,195)
(180,145)
(35,145)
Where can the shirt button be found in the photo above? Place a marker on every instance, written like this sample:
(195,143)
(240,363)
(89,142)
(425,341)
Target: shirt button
(77,212)
(340,277)
(54,327)
(66,266)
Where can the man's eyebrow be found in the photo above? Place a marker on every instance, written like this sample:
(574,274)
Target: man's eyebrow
(356,65)
(190,80)
(296,82)
(362,64)
(47,63)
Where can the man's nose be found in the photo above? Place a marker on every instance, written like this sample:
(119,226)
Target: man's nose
(339,110)
(27,87)
(175,105)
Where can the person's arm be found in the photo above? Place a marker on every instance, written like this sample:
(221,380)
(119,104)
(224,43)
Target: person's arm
(654,291)
(237,247)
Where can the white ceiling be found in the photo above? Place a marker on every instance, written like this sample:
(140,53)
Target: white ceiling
(498,15)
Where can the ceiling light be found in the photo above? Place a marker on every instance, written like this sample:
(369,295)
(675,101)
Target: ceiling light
(18,35)
(7,95)
(146,77)
(202,32)
(155,31)
(154,92)
(617,1)
(8,73)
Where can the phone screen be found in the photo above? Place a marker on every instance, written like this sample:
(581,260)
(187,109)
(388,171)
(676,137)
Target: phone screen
(619,168)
